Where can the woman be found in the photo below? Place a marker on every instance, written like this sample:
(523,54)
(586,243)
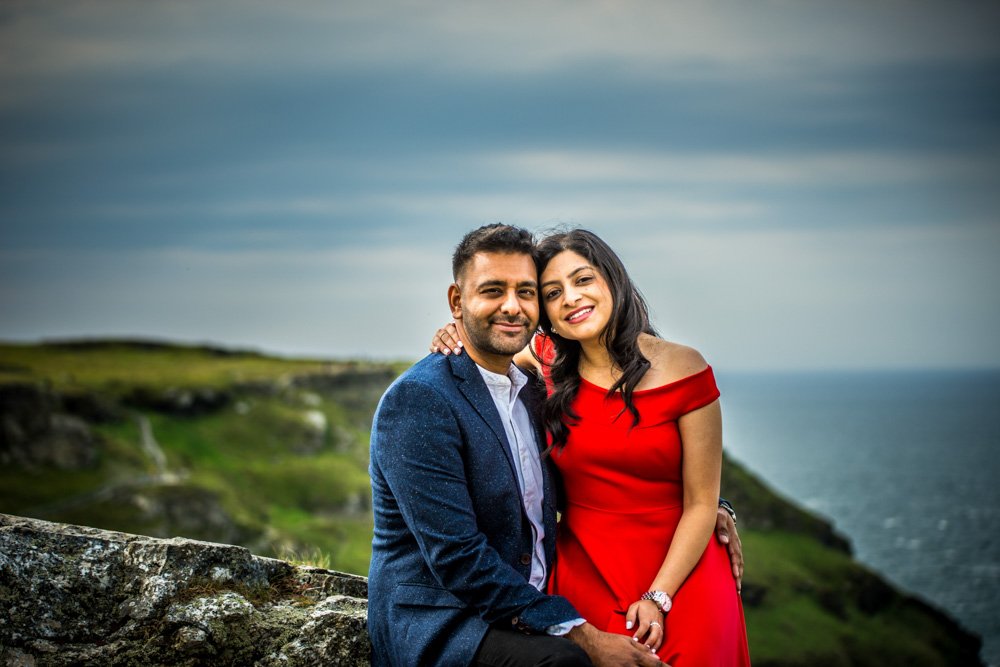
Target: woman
(636,432)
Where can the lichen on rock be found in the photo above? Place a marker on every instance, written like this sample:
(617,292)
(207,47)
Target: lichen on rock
(77,595)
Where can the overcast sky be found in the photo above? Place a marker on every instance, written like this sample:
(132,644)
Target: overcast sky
(793,185)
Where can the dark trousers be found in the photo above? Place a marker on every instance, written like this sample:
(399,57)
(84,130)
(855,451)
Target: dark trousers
(506,648)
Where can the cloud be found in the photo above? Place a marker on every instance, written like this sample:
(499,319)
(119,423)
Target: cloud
(795,184)
(515,37)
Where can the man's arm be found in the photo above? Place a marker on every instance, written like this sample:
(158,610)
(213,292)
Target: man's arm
(419,452)
(725,532)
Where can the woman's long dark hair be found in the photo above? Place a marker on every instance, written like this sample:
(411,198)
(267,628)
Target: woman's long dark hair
(629,318)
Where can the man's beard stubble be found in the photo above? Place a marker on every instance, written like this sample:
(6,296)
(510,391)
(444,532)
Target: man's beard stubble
(487,340)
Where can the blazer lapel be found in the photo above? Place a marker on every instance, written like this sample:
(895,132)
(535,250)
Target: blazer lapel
(534,395)
(473,387)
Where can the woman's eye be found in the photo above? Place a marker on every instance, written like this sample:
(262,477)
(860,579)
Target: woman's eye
(551,294)
(584,280)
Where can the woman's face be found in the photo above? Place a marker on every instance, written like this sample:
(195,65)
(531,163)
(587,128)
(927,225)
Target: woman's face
(575,297)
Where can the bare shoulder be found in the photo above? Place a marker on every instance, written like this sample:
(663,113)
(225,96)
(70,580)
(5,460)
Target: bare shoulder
(670,361)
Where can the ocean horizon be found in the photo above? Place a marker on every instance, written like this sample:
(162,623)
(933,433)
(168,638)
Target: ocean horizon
(904,464)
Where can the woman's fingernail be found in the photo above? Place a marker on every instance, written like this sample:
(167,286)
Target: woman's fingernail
(628,626)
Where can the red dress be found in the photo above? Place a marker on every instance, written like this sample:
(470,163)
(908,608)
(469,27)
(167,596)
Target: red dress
(624,498)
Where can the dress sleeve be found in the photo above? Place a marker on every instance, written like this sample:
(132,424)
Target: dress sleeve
(696,391)
(545,350)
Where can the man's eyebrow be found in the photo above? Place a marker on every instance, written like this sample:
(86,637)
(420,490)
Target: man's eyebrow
(572,273)
(503,283)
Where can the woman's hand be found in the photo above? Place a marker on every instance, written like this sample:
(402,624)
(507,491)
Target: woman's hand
(446,340)
(647,619)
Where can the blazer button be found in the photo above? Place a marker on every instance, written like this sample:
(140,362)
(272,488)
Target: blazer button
(525,559)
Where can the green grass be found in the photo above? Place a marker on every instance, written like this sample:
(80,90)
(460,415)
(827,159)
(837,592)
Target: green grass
(282,484)
(117,366)
(810,613)
(343,542)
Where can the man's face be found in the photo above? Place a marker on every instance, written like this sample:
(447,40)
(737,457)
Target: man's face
(496,303)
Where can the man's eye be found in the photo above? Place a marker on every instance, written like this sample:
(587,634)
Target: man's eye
(528,293)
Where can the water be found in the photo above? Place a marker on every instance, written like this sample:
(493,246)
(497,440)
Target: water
(904,463)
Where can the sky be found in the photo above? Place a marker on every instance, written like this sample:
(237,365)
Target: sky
(793,185)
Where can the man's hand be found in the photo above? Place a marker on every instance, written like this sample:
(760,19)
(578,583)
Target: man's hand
(609,650)
(725,532)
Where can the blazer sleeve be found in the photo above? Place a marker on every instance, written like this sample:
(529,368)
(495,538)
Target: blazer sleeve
(420,454)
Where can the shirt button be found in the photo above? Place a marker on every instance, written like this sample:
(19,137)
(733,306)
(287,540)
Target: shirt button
(525,559)
(515,620)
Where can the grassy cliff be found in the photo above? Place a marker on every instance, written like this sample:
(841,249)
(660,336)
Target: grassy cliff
(237,447)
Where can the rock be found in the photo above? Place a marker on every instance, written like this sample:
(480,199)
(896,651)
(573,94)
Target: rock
(36,432)
(182,509)
(93,407)
(179,402)
(74,595)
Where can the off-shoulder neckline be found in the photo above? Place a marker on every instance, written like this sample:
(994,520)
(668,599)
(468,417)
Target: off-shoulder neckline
(662,387)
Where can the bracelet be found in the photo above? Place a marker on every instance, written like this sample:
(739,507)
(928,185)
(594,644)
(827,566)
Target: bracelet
(726,505)
(659,598)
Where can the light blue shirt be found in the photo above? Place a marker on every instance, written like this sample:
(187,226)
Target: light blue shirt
(505,390)
(524,448)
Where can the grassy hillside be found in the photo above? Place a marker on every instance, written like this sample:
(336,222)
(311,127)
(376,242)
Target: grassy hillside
(271,453)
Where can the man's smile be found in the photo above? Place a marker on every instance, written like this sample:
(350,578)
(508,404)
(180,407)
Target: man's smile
(509,327)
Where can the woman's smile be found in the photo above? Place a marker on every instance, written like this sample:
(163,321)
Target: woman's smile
(579,315)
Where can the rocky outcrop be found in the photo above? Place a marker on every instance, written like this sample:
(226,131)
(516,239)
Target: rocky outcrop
(36,430)
(72,595)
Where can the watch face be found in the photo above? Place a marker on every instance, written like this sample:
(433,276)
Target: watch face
(661,599)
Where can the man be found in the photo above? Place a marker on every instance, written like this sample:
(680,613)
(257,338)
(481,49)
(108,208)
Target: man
(465,510)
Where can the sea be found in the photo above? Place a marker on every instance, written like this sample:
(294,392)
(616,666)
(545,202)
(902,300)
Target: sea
(904,463)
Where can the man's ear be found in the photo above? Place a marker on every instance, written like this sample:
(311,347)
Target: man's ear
(455,301)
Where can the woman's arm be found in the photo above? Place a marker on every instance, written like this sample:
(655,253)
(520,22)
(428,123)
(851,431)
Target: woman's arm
(701,445)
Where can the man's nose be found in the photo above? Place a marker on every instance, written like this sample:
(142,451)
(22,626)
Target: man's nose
(511,305)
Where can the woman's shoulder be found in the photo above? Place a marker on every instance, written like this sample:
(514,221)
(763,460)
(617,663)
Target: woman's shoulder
(669,361)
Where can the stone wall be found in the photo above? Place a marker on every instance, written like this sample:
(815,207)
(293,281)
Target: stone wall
(71,595)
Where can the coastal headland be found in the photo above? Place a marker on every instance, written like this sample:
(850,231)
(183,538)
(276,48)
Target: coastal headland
(189,501)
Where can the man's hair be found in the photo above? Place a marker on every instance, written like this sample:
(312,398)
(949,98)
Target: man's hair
(495,237)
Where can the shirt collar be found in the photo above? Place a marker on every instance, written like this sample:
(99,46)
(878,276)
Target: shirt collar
(515,376)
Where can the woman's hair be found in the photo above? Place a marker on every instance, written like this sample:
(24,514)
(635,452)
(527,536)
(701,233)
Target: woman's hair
(629,318)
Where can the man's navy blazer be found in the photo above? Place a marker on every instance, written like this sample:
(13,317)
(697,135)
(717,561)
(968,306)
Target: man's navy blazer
(451,554)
